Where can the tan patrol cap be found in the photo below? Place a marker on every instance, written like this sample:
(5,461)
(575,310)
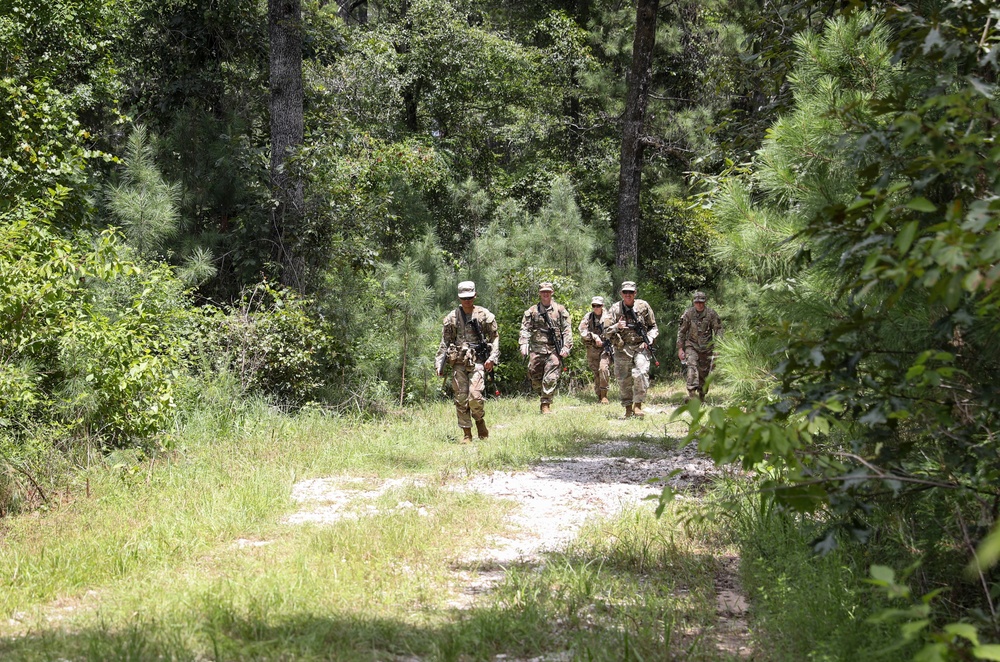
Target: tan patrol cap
(628,286)
(466,289)
(597,301)
(545,287)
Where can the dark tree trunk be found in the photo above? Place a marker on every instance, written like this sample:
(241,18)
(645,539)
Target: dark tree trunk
(633,121)
(284,19)
(411,93)
(353,11)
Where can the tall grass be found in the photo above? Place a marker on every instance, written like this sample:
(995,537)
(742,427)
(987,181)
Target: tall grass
(805,606)
(187,556)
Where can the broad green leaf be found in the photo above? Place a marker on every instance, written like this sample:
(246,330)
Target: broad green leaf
(921,203)
(905,237)
(932,653)
(883,573)
(858,203)
(964,630)
(972,281)
(988,551)
(987,652)
(913,628)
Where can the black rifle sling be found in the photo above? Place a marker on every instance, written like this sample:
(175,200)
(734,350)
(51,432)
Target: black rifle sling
(599,326)
(595,324)
(640,328)
(474,323)
(465,322)
(558,342)
(630,313)
(482,349)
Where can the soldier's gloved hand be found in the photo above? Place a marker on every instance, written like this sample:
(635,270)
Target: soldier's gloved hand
(564,353)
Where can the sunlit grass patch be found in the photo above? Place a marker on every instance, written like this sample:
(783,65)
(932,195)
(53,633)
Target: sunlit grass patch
(630,587)
(192,555)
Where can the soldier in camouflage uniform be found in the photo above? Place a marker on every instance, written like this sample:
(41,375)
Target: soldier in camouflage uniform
(546,349)
(598,351)
(632,355)
(700,328)
(471,345)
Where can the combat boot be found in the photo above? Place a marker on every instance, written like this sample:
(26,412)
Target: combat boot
(604,396)
(629,413)
(481,429)
(637,410)
(545,408)
(692,393)
(466,436)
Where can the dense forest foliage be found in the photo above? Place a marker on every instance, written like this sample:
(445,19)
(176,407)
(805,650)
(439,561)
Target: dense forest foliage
(280,198)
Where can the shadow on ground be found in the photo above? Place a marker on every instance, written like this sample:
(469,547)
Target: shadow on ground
(627,607)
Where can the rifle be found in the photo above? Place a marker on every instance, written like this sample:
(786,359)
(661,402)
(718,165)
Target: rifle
(639,327)
(607,347)
(483,350)
(557,341)
(491,383)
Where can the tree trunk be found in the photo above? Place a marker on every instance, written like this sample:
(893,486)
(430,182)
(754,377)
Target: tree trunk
(284,21)
(355,11)
(633,120)
(411,92)
(402,379)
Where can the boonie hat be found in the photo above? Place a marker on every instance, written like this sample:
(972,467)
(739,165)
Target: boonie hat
(597,301)
(700,296)
(545,287)
(628,286)
(466,289)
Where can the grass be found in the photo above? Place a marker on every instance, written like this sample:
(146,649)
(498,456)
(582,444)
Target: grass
(805,606)
(187,557)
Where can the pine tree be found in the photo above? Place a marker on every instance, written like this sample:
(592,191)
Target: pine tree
(143,203)
(146,206)
(805,165)
(408,306)
(556,241)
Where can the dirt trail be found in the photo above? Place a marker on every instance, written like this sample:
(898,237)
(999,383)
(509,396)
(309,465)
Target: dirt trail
(554,498)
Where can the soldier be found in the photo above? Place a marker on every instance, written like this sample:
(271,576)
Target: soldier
(546,337)
(598,351)
(700,328)
(625,324)
(471,344)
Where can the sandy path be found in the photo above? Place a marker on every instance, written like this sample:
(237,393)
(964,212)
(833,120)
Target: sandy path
(554,498)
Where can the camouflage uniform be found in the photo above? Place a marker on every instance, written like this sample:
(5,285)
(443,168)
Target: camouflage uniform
(544,363)
(631,363)
(458,341)
(598,358)
(696,337)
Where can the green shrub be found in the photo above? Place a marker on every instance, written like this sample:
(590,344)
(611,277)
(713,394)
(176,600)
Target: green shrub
(89,340)
(122,359)
(276,345)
